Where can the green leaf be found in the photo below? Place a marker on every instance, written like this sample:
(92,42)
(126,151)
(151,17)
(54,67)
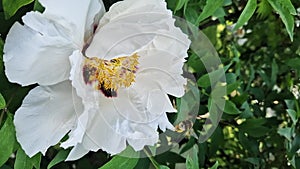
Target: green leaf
(274,72)
(8,139)
(289,6)
(60,156)
(215,166)
(192,161)
(180,4)
(38,6)
(119,162)
(36,161)
(212,77)
(293,114)
(2,102)
(285,15)
(254,127)
(285,132)
(163,167)
(209,9)
(23,161)
(230,108)
(294,63)
(10,7)
(263,9)
(246,14)
(1,55)
(191,15)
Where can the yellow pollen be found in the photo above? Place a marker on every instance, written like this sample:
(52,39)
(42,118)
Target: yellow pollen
(110,74)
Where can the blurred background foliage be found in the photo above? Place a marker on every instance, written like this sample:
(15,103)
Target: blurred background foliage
(258,42)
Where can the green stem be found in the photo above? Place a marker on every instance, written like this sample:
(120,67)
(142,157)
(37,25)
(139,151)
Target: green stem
(155,164)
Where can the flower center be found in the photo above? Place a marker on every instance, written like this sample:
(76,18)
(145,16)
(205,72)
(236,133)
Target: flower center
(109,75)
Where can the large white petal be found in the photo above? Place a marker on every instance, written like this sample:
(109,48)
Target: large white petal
(81,14)
(46,115)
(128,27)
(107,123)
(37,52)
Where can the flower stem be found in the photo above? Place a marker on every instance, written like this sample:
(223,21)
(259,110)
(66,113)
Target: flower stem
(153,161)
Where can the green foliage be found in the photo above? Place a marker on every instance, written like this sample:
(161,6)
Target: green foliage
(10,7)
(209,9)
(2,102)
(8,139)
(119,162)
(260,124)
(23,161)
(286,11)
(246,14)
(60,156)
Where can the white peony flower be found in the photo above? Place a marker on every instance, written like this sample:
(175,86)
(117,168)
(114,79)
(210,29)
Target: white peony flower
(103,79)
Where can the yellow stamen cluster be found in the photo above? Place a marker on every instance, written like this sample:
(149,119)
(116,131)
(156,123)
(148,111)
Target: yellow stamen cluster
(110,74)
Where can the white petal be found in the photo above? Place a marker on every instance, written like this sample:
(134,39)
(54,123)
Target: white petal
(46,115)
(79,13)
(164,123)
(37,53)
(77,152)
(129,26)
(86,92)
(132,7)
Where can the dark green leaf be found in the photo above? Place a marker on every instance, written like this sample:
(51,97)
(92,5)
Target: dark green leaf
(230,108)
(209,9)
(60,156)
(285,15)
(274,72)
(10,7)
(246,14)
(294,63)
(1,55)
(38,6)
(254,127)
(7,139)
(119,162)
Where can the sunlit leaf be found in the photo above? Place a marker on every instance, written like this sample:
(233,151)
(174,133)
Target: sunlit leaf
(288,5)
(23,161)
(180,4)
(119,162)
(10,7)
(246,14)
(209,9)
(2,102)
(192,160)
(285,15)
(7,139)
(60,156)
